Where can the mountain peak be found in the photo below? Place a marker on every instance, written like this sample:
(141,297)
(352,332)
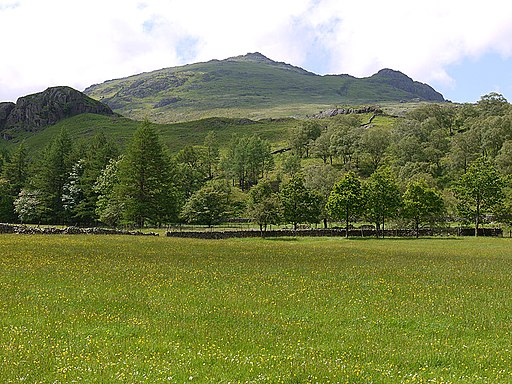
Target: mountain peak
(254,56)
(259,58)
(403,82)
(391,73)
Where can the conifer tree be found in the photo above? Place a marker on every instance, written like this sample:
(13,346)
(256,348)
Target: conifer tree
(51,175)
(144,181)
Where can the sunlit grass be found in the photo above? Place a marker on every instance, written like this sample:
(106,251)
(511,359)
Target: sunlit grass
(121,309)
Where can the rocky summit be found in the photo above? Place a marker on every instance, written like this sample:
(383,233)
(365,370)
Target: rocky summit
(34,112)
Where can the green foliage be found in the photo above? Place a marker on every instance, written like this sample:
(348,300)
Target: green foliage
(321,179)
(109,204)
(248,159)
(300,204)
(264,206)
(494,104)
(51,175)
(302,137)
(144,181)
(480,191)
(246,88)
(209,205)
(346,202)
(374,144)
(381,196)
(13,178)
(29,206)
(422,203)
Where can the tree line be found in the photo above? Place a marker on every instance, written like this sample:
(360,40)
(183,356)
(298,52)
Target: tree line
(440,162)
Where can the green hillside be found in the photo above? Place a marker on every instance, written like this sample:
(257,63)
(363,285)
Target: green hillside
(175,135)
(250,86)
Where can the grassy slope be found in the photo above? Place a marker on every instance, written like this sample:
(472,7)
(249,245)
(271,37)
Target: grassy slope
(120,309)
(237,89)
(174,136)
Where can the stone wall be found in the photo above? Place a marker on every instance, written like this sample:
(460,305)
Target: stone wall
(31,230)
(496,232)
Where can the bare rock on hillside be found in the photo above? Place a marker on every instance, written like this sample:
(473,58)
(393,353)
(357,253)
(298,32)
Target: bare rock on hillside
(34,112)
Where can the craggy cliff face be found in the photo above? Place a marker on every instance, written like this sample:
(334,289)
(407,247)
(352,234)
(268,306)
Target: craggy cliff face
(34,112)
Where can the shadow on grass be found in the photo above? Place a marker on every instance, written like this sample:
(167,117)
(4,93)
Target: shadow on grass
(408,238)
(280,238)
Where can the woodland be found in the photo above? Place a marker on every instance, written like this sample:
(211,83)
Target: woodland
(441,164)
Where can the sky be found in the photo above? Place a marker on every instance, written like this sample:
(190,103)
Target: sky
(461,48)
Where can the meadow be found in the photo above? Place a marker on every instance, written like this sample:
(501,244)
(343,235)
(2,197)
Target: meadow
(150,310)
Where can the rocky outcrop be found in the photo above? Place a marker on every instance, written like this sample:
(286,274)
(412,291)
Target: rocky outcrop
(347,111)
(5,111)
(34,112)
(398,80)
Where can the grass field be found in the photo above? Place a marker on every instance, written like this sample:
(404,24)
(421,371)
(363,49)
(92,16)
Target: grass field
(150,310)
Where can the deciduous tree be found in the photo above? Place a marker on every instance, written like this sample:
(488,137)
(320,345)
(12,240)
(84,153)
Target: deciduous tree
(300,205)
(345,202)
(421,203)
(382,198)
(479,190)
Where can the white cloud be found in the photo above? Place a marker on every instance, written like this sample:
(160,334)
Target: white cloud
(80,43)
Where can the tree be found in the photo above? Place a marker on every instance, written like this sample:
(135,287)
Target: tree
(51,175)
(72,193)
(248,159)
(264,206)
(29,207)
(109,204)
(381,197)
(15,169)
(322,147)
(374,143)
(346,138)
(95,157)
(494,104)
(504,158)
(300,205)
(421,203)
(321,179)
(144,181)
(479,191)
(465,147)
(302,137)
(346,201)
(209,205)
(290,164)
(211,157)
(191,171)
(14,177)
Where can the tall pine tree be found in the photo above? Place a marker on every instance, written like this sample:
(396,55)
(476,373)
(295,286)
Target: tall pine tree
(51,175)
(145,186)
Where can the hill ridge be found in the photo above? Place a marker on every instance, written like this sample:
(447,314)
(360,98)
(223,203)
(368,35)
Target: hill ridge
(252,86)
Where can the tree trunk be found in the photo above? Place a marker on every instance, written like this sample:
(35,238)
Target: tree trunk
(347,222)
(477,221)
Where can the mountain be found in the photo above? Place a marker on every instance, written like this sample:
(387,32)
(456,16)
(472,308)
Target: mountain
(35,112)
(251,86)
